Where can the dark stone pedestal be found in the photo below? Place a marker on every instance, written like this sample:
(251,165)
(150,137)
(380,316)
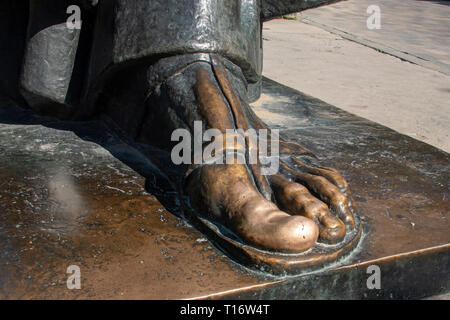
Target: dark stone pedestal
(72,194)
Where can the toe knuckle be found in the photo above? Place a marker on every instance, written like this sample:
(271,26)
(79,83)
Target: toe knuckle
(319,208)
(334,171)
(293,188)
(339,198)
(342,197)
(320,180)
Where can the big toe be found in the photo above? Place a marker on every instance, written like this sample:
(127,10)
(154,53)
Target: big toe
(267,227)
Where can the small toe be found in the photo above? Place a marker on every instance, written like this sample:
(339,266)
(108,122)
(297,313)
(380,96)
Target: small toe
(341,198)
(297,200)
(327,192)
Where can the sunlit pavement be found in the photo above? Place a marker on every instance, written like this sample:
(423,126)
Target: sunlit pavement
(397,75)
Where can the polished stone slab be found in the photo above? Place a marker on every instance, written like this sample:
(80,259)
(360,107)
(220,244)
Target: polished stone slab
(73,194)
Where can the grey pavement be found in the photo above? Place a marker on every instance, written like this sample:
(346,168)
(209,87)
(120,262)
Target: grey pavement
(416,30)
(440,297)
(330,53)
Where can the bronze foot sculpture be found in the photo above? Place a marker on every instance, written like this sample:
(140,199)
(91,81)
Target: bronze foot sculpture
(154,67)
(301,217)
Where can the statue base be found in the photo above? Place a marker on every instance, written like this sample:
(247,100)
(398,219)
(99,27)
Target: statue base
(73,195)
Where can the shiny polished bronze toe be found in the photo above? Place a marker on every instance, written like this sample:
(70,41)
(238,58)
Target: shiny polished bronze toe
(296,199)
(261,221)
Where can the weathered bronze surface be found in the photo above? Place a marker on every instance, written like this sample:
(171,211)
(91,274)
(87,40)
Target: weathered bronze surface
(153,67)
(267,222)
(72,195)
(146,69)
